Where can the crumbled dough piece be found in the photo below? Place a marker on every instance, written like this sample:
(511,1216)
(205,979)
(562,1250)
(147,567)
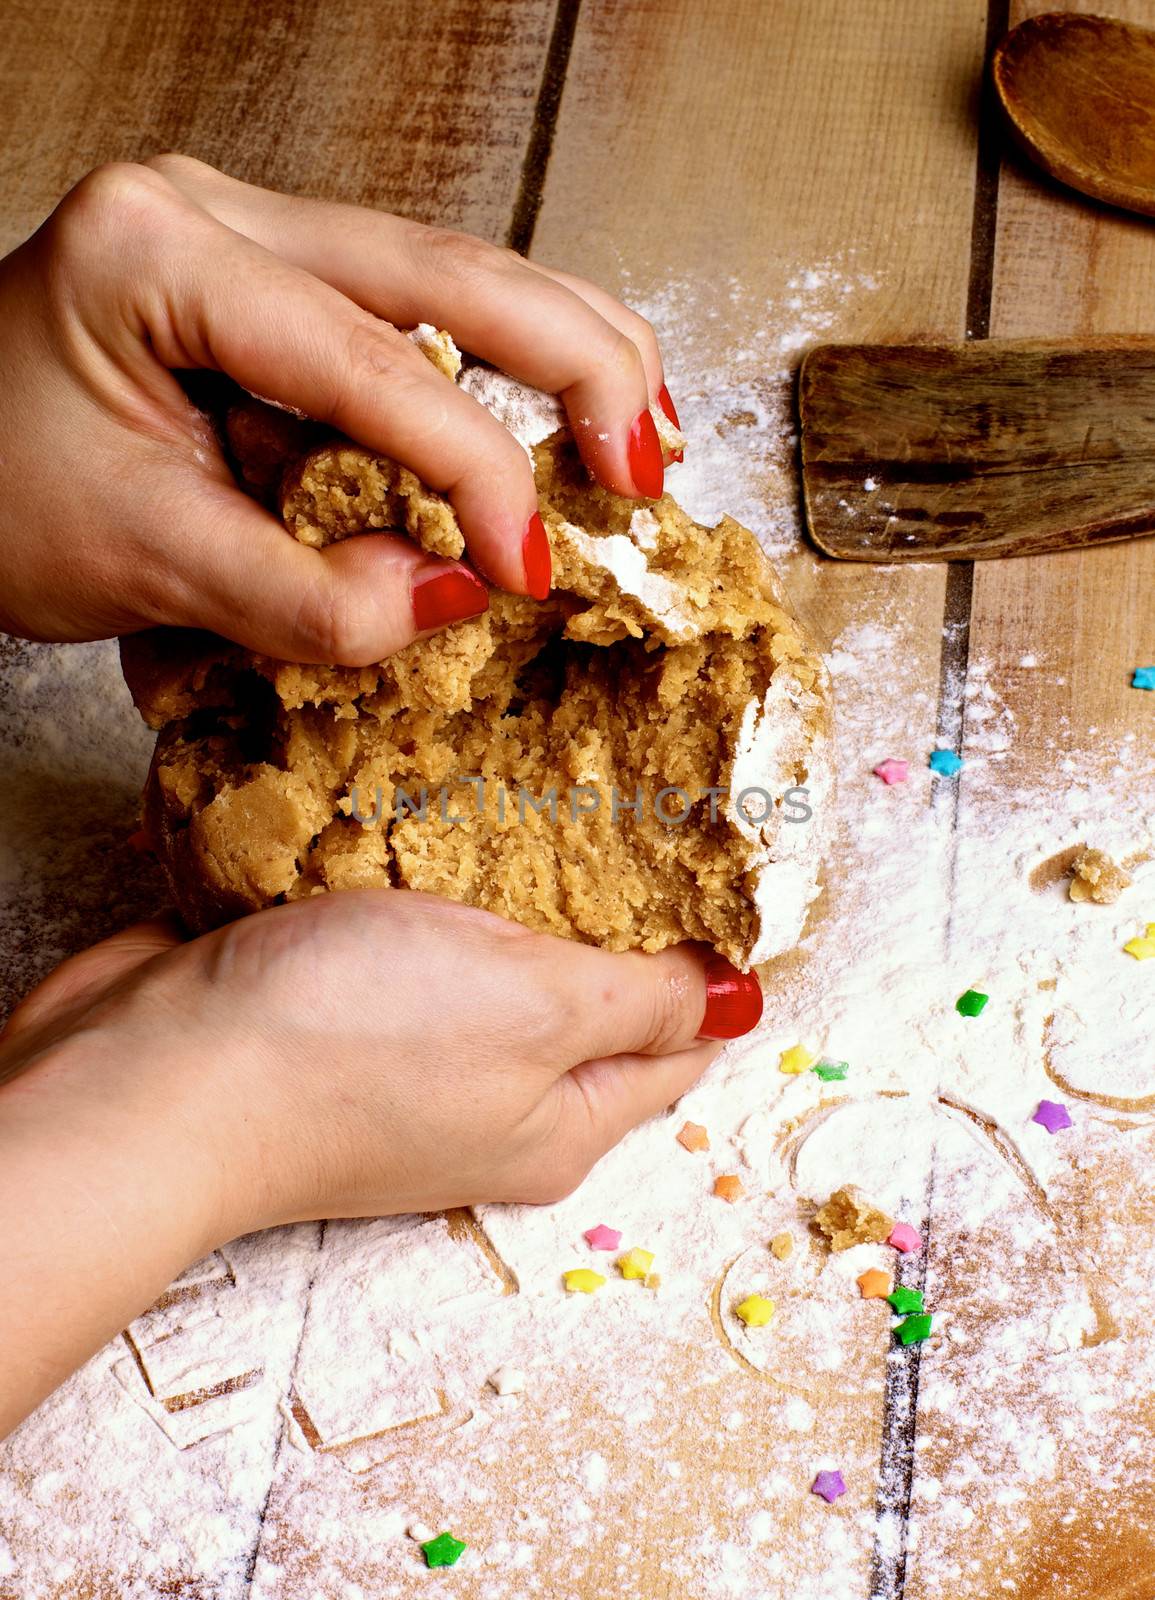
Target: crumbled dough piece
(848,1218)
(782,1246)
(507,1380)
(420,1532)
(1094,876)
(438,347)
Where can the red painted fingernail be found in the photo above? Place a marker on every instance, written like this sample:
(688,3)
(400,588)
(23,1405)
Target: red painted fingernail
(448,597)
(671,411)
(645,457)
(535,554)
(733,1001)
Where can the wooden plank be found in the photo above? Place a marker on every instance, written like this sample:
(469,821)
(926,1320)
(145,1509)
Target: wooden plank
(420,109)
(1052,644)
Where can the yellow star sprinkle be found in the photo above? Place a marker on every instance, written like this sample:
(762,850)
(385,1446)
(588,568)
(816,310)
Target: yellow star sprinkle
(797,1059)
(755,1311)
(582,1280)
(1142,947)
(636,1263)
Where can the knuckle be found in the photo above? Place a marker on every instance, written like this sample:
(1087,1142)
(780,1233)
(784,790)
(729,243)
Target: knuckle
(463,256)
(335,624)
(376,352)
(118,197)
(176,167)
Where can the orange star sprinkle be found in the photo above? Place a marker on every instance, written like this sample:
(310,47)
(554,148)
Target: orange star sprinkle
(693,1137)
(874,1285)
(729,1187)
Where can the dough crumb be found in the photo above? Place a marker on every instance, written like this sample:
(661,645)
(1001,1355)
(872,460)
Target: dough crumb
(1094,876)
(849,1218)
(782,1246)
(419,1531)
(507,1380)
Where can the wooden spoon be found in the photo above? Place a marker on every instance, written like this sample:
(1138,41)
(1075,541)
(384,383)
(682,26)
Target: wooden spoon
(998,447)
(1079,92)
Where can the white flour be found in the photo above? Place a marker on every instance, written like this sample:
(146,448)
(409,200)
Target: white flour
(389,1357)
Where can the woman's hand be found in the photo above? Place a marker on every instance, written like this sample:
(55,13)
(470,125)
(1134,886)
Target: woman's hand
(356,1054)
(118,510)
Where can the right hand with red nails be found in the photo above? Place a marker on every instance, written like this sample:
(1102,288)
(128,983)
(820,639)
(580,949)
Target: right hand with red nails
(357,1054)
(120,511)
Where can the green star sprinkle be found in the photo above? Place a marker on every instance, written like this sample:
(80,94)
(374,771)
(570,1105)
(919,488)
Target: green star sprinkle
(444,1551)
(971,1004)
(914,1330)
(830,1071)
(905,1300)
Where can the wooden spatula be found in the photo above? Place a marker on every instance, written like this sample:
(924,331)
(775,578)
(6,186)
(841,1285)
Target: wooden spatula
(961,452)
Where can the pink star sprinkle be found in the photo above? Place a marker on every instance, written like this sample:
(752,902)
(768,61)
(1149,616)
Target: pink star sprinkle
(892,771)
(829,1485)
(905,1238)
(602,1238)
(1052,1115)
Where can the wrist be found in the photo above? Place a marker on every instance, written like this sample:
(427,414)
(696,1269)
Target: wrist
(131,1121)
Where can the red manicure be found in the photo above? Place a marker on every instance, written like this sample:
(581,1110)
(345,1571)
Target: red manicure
(645,457)
(448,597)
(733,1001)
(671,411)
(536,557)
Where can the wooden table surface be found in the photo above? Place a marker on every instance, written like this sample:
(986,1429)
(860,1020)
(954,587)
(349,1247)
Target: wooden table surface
(641,142)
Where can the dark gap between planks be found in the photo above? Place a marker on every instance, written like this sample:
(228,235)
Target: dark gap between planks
(535,163)
(900,1395)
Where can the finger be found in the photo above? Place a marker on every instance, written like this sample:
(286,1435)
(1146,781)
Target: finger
(83,976)
(635,327)
(528,323)
(214,299)
(602,1100)
(355,602)
(654,1005)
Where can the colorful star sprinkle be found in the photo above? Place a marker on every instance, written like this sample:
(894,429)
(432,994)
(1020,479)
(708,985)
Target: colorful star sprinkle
(729,1187)
(1144,678)
(874,1285)
(1052,1115)
(914,1330)
(892,771)
(797,1059)
(971,1004)
(1142,947)
(692,1136)
(945,762)
(636,1263)
(602,1238)
(830,1071)
(755,1311)
(582,1280)
(904,1238)
(829,1485)
(444,1551)
(904,1301)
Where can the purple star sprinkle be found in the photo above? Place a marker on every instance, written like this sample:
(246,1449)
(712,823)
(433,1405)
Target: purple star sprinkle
(829,1485)
(1052,1116)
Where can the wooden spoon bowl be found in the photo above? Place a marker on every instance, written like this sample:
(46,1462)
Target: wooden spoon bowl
(1079,92)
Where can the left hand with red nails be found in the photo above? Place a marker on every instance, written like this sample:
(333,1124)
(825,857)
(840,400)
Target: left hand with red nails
(357,1054)
(119,510)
